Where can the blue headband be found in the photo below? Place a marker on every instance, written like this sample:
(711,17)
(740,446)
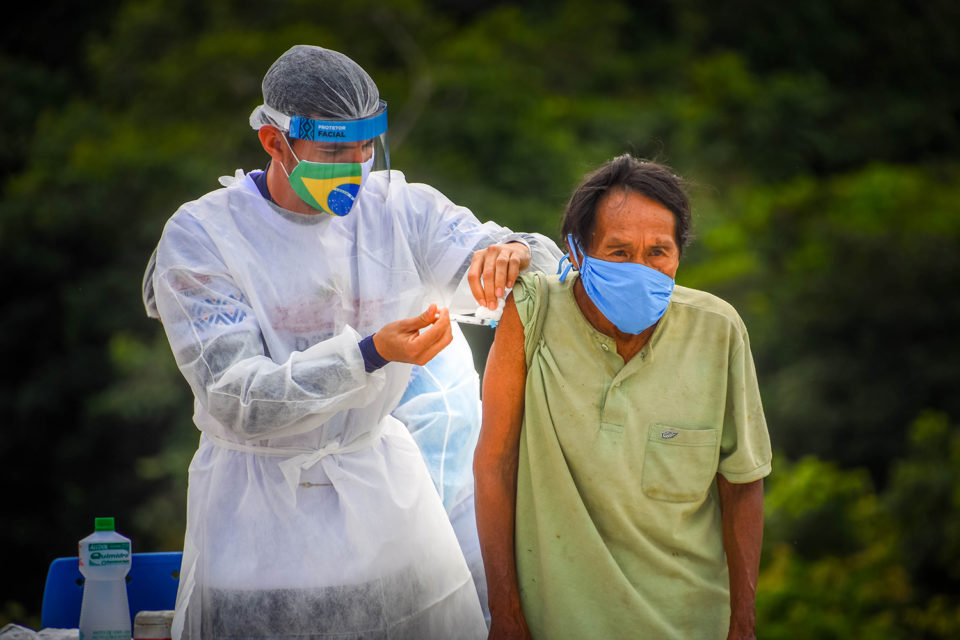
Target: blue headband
(339,130)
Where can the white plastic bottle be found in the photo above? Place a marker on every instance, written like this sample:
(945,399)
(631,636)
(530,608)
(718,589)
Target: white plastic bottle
(104,563)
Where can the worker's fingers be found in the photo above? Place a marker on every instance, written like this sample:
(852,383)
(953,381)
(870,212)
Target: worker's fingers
(490,260)
(425,319)
(415,340)
(506,269)
(474,276)
(430,341)
(515,266)
(482,275)
(494,270)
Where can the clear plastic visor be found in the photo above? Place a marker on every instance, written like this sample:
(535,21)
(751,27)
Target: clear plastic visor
(333,141)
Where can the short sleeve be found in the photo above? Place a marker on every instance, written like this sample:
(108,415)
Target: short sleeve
(745,453)
(530,296)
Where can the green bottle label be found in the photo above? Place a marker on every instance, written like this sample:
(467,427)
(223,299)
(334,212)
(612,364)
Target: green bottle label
(107,553)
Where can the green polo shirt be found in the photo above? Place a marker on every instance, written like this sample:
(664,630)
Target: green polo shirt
(618,521)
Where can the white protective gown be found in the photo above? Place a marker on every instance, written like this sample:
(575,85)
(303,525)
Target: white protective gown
(441,409)
(311,513)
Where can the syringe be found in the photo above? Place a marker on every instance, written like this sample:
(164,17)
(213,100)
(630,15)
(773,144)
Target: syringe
(485,322)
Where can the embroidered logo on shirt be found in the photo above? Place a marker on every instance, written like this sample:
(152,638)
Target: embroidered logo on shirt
(669,434)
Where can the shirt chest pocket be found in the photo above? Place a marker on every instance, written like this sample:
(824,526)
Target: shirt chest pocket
(679,464)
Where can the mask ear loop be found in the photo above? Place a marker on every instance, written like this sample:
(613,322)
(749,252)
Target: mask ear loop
(573,246)
(292,152)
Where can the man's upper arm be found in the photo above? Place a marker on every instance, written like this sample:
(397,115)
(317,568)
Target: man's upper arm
(503,390)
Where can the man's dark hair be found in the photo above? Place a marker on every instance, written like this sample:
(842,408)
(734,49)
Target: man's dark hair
(648,179)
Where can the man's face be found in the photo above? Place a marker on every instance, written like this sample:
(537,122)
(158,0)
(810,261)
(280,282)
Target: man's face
(632,228)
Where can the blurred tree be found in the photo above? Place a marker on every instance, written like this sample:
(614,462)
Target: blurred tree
(868,80)
(859,276)
(924,497)
(849,287)
(841,560)
(41,66)
(837,582)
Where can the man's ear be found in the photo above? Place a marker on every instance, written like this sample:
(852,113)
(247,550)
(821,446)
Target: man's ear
(272,140)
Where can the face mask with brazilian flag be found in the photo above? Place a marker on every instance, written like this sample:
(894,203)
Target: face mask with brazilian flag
(332,187)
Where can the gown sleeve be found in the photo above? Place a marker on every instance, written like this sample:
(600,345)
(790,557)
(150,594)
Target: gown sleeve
(447,235)
(218,345)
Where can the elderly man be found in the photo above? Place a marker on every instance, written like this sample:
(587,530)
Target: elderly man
(620,463)
(296,301)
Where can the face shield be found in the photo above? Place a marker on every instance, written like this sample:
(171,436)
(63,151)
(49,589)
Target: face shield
(339,158)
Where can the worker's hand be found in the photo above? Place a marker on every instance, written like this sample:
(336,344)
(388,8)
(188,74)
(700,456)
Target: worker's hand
(403,340)
(495,269)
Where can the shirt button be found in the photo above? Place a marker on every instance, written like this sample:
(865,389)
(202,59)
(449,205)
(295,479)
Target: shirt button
(604,347)
(616,385)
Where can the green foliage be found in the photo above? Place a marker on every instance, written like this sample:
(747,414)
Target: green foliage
(818,508)
(841,560)
(859,280)
(829,565)
(873,77)
(848,287)
(925,497)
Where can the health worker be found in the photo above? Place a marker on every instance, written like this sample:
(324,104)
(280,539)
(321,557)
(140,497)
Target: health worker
(297,301)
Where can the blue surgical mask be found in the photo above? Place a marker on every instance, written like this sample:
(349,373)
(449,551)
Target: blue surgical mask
(630,295)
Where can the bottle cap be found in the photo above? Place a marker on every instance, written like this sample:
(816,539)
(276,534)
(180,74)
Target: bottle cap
(103,524)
